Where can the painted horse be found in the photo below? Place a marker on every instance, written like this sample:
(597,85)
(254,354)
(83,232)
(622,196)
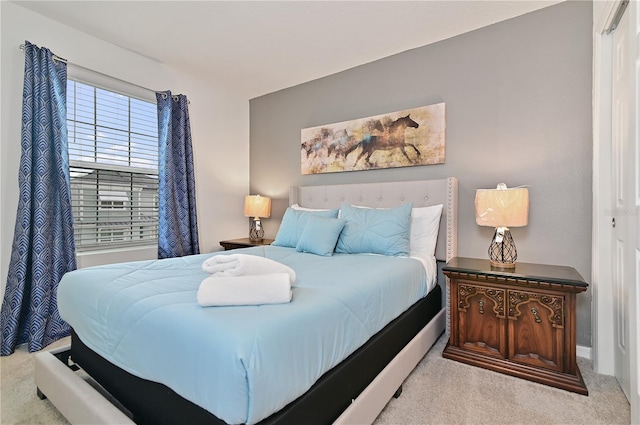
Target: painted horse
(392,137)
(342,144)
(320,141)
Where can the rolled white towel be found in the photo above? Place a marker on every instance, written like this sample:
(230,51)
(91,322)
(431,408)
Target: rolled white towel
(273,288)
(244,265)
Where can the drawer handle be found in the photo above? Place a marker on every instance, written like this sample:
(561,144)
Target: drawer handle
(535,314)
(481,302)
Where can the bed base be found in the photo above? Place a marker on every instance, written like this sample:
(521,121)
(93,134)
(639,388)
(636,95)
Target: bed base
(368,405)
(81,403)
(75,399)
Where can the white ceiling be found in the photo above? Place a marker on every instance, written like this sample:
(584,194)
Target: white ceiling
(258,47)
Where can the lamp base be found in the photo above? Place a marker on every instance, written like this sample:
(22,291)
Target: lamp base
(496,265)
(502,251)
(256,234)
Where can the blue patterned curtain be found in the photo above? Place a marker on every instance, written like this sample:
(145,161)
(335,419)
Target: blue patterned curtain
(43,245)
(177,223)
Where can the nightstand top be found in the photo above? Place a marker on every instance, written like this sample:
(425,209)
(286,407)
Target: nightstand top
(247,242)
(523,271)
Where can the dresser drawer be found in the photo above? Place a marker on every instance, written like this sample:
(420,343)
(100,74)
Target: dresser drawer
(481,315)
(536,328)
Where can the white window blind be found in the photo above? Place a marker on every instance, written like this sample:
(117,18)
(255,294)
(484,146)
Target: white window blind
(113,156)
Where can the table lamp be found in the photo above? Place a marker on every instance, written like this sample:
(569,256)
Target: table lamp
(502,208)
(256,206)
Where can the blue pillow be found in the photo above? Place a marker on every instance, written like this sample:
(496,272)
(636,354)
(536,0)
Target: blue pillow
(320,235)
(293,223)
(376,231)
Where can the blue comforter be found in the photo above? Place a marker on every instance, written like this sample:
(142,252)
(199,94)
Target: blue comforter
(241,363)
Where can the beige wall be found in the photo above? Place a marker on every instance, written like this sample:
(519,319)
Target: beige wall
(219,121)
(518,110)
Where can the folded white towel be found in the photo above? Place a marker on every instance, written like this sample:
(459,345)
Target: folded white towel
(272,288)
(244,265)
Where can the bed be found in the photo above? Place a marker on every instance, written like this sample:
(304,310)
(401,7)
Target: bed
(352,386)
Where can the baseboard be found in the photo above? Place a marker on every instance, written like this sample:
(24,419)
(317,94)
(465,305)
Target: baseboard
(584,352)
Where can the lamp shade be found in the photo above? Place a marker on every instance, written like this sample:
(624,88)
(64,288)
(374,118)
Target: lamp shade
(502,207)
(257,206)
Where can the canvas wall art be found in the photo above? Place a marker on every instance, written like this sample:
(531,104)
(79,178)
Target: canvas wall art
(397,139)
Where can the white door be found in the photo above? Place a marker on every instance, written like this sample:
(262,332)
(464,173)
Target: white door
(623,197)
(616,251)
(626,168)
(633,176)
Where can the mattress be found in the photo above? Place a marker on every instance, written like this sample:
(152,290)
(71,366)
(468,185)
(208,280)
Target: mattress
(240,363)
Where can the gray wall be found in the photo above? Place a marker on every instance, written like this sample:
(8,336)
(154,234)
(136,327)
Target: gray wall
(518,110)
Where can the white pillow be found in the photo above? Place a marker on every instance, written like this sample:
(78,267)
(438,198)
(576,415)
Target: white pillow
(423,233)
(299,208)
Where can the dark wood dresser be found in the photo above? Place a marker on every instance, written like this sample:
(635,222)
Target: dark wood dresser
(520,322)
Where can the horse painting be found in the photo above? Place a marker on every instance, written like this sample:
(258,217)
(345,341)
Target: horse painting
(392,137)
(397,139)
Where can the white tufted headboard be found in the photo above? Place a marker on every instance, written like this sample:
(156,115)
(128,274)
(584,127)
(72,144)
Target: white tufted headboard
(421,193)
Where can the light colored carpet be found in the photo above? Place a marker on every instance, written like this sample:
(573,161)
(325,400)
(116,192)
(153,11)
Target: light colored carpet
(439,391)
(19,403)
(442,391)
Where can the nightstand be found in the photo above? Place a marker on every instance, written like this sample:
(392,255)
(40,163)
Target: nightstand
(243,243)
(521,322)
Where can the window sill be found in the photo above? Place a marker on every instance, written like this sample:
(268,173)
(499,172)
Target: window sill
(116,255)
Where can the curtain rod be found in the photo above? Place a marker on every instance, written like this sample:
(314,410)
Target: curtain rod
(58,58)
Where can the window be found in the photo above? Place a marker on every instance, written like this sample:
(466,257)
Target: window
(113,158)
